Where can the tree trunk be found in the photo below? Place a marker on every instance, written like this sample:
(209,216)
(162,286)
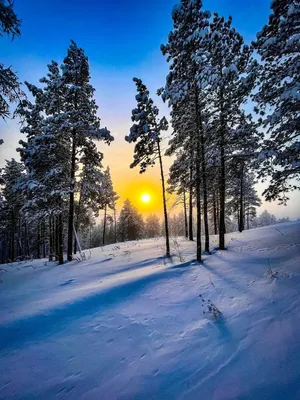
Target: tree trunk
(12,238)
(204,188)
(75,242)
(191,236)
(104,225)
(241,208)
(198,178)
(115,224)
(71,202)
(164,200)
(60,240)
(50,239)
(56,238)
(44,238)
(27,247)
(38,253)
(215,214)
(222,227)
(248,222)
(19,247)
(185,216)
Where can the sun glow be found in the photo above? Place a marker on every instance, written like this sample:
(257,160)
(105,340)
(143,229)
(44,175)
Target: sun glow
(145,198)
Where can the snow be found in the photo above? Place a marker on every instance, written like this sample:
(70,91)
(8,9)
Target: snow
(127,323)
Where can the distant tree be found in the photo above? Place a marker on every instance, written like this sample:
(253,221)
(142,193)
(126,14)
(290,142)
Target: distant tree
(152,226)
(109,200)
(180,183)
(11,202)
(266,219)
(281,220)
(147,135)
(177,227)
(130,224)
(91,186)
(278,98)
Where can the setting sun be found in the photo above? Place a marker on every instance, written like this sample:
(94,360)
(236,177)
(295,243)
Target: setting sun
(145,198)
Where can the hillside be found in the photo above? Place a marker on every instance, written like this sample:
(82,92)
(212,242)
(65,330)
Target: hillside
(127,323)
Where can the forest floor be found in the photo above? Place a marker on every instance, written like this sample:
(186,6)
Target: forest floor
(129,324)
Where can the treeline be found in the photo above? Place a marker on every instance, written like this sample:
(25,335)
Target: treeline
(130,225)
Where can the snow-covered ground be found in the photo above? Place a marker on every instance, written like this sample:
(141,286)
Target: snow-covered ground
(127,324)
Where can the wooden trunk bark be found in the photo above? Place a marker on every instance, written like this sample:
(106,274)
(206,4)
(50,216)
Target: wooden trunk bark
(164,200)
(71,201)
(104,225)
(185,216)
(241,205)
(191,234)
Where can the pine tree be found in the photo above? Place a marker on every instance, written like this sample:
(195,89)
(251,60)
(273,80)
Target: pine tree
(152,226)
(187,49)
(77,121)
(45,158)
(232,79)
(243,144)
(10,90)
(130,224)
(11,204)
(179,183)
(278,98)
(147,133)
(109,199)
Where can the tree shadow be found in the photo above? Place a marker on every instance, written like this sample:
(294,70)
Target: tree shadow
(23,330)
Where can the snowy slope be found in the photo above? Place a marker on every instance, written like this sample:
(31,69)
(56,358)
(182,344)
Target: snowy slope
(126,324)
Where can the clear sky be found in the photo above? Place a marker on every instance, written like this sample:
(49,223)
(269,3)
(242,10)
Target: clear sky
(122,39)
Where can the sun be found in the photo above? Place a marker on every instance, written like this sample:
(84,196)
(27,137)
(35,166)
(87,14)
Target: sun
(145,198)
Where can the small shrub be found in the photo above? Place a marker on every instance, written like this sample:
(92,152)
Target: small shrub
(210,308)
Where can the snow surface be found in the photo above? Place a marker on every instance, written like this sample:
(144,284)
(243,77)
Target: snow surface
(127,324)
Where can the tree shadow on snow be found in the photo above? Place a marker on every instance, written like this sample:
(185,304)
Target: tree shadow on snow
(35,327)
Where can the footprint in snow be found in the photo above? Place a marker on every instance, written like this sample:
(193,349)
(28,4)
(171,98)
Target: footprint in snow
(66,282)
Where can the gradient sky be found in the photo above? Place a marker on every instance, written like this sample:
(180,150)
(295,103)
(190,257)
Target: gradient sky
(122,39)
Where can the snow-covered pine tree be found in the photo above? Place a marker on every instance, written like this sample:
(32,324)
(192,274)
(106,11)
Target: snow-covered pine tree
(81,123)
(89,187)
(44,155)
(251,199)
(130,224)
(179,183)
(109,199)
(278,98)
(10,90)
(10,206)
(186,49)
(9,22)
(182,146)
(241,194)
(152,226)
(232,79)
(146,132)
(243,144)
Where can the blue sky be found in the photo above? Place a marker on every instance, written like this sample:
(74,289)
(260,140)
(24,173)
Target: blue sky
(122,39)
